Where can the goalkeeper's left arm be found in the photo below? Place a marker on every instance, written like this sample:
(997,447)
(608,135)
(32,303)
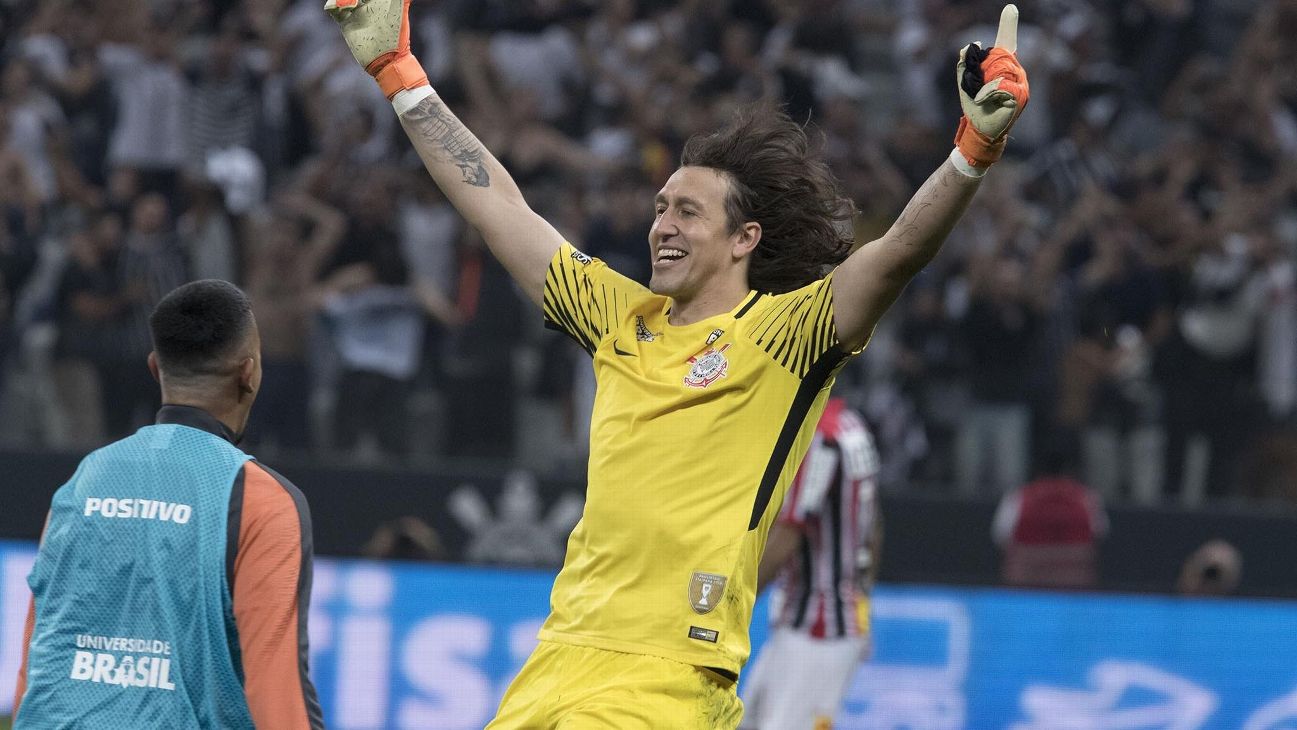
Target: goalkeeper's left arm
(993,91)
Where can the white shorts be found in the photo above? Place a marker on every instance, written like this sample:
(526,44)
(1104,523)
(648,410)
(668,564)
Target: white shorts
(797,683)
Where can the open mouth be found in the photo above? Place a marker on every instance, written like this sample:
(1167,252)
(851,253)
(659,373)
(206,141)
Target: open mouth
(669,255)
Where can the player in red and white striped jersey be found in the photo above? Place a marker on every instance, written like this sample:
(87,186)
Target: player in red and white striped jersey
(824,550)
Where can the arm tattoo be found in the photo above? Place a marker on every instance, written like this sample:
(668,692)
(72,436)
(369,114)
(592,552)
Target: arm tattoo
(435,123)
(907,227)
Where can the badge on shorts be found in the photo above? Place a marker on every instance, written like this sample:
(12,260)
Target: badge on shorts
(705,591)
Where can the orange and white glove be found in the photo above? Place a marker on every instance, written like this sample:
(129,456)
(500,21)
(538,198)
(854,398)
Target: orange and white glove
(378,34)
(993,91)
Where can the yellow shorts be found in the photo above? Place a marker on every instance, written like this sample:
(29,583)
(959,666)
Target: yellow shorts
(566,687)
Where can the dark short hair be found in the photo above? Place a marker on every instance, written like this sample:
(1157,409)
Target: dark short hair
(777,182)
(199,324)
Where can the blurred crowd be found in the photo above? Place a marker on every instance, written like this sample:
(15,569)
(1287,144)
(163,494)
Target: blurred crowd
(1122,288)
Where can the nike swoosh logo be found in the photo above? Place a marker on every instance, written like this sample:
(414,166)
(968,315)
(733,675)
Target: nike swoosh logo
(621,352)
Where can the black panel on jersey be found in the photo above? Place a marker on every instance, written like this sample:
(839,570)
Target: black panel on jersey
(816,377)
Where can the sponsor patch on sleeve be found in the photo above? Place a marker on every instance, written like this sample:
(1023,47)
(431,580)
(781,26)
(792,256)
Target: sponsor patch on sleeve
(701,634)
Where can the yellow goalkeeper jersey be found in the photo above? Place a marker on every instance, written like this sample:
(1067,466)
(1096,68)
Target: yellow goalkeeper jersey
(697,432)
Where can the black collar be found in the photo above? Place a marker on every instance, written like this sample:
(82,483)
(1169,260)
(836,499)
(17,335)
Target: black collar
(196,418)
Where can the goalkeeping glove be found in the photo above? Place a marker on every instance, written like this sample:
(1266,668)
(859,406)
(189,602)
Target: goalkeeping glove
(378,34)
(993,92)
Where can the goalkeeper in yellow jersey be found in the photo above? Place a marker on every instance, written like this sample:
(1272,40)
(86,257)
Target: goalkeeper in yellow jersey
(710,381)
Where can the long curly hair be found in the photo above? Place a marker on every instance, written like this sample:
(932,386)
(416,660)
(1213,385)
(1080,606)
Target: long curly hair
(777,182)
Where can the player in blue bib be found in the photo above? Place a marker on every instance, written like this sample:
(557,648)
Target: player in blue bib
(173,578)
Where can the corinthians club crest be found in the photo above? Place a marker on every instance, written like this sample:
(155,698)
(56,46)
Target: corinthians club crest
(708,367)
(705,591)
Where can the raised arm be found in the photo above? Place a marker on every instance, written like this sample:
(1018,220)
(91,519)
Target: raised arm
(378,33)
(993,92)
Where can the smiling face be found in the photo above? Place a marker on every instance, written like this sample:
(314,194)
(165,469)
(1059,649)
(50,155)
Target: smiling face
(693,249)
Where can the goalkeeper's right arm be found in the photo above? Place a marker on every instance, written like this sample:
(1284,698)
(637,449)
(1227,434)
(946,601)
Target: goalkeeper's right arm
(377,31)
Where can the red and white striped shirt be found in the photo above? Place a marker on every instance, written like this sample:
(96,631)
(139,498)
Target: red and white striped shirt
(834,502)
